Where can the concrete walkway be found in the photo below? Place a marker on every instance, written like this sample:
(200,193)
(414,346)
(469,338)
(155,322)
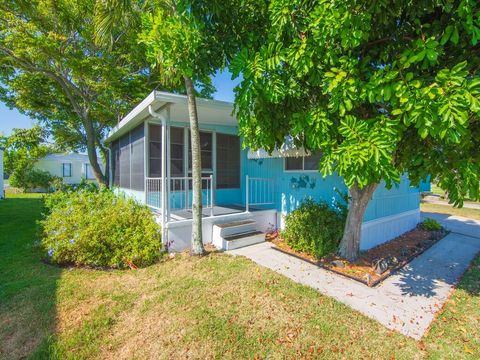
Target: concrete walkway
(407,301)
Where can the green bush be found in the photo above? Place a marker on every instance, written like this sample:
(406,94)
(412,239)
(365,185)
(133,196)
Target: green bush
(431,225)
(94,227)
(31,178)
(315,228)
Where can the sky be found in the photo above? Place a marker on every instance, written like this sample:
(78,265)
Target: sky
(10,119)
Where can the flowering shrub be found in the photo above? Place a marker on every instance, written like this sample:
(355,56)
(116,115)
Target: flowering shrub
(315,228)
(95,227)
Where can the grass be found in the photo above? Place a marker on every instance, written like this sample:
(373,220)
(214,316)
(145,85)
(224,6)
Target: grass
(448,209)
(216,306)
(436,190)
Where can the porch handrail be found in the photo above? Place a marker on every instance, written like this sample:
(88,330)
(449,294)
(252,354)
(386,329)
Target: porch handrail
(178,185)
(258,191)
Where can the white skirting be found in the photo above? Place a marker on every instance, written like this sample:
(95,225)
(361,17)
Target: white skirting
(180,232)
(378,231)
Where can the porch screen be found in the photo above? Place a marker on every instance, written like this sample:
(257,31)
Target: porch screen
(137,181)
(116,162)
(155,150)
(125,161)
(128,160)
(228,161)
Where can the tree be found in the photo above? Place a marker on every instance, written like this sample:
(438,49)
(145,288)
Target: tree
(22,150)
(51,69)
(179,44)
(380,88)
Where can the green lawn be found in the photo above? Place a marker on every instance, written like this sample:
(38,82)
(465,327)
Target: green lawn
(211,307)
(448,209)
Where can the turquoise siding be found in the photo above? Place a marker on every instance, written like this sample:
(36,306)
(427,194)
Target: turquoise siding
(293,187)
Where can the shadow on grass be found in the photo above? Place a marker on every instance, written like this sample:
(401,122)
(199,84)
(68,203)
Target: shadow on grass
(27,286)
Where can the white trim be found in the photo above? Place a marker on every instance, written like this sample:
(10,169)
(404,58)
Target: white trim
(277,153)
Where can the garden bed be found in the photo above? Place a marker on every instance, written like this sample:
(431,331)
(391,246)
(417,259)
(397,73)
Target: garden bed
(376,264)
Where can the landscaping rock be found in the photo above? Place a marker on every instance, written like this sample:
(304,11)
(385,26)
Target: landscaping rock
(380,266)
(338,263)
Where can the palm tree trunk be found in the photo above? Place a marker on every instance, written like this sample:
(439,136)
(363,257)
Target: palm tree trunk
(359,197)
(197,242)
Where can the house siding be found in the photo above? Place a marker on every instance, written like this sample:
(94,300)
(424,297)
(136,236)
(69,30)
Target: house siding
(294,187)
(53,165)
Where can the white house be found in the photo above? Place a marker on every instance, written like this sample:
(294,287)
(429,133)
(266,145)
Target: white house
(72,168)
(2,192)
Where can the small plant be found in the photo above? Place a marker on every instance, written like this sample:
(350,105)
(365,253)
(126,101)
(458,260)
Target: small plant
(315,228)
(431,225)
(94,227)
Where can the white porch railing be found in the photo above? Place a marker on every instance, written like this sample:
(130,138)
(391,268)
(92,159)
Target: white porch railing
(153,191)
(179,193)
(259,191)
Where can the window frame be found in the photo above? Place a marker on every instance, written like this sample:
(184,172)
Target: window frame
(299,170)
(85,167)
(70,168)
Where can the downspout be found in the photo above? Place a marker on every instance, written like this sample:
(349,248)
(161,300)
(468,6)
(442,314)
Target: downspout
(164,183)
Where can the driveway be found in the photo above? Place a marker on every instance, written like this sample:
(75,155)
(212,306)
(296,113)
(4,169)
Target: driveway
(408,300)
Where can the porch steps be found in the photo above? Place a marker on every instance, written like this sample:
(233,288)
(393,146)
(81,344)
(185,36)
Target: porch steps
(236,234)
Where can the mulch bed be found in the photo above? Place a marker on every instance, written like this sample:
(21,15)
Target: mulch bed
(375,264)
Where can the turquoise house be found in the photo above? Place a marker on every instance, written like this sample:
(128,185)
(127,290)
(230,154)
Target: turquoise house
(245,193)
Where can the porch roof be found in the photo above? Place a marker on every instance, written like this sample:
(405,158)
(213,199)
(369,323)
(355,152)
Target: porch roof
(209,112)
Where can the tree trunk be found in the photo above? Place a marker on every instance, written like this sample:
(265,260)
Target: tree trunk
(106,160)
(92,153)
(197,241)
(350,245)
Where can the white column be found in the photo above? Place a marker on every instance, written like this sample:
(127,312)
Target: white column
(164,172)
(168,165)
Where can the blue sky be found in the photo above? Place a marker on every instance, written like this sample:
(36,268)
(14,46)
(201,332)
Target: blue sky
(10,119)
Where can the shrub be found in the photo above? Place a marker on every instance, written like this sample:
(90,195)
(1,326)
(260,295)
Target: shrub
(431,225)
(31,178)
(95,227)
(314,228)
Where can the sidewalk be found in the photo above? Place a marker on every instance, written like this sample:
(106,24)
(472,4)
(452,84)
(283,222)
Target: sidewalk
(407,301)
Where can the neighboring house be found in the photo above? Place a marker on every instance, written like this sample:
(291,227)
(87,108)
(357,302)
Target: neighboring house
(72,168)
(2,191)
(243,191)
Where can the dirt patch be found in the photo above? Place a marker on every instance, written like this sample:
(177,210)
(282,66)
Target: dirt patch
(376,264)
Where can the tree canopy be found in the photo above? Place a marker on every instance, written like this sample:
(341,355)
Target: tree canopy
(52,69)
(379,87)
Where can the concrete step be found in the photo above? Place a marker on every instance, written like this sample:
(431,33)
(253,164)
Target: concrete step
(234,227)
(243,239)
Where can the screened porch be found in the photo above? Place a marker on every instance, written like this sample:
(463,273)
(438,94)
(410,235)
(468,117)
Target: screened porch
(160,145)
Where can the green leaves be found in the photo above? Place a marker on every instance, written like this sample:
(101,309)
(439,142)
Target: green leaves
(380,90)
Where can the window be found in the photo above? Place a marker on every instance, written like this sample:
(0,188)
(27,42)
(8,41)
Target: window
(88,172)
(305,163)
(67,170)
(228,161)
